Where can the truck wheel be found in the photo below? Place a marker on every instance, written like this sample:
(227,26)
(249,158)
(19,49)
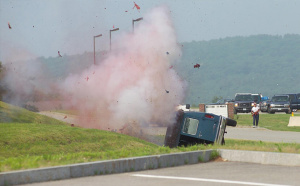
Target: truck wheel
(230,122)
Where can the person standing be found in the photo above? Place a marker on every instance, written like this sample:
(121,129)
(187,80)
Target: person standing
(255,115)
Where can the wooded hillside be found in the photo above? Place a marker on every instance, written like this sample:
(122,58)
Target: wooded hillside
(256,64)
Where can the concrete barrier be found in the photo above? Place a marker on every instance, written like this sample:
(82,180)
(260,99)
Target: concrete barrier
(270,158)
(294,121)
(104,167)
(143,163)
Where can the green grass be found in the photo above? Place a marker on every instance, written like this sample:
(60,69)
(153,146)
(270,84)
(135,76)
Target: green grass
(29,140)
(13,114)
(277,122)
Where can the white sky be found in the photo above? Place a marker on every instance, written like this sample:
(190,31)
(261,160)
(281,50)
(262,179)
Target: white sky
(41,28)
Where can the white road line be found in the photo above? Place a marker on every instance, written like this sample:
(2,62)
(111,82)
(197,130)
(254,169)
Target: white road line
(205,180)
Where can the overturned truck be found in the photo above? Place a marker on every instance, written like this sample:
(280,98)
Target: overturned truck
(197,128)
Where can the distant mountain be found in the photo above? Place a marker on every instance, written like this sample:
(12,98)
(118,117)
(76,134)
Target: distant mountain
(256,64)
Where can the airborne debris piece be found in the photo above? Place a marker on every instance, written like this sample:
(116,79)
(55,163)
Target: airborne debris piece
(171,67)
(197,66)
(65,117)
(167,91)
(167,53)
(59,54)
(197,128)
(9,25)
(137,6)
(87,78)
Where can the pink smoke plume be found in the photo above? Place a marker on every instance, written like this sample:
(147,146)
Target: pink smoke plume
(135,83)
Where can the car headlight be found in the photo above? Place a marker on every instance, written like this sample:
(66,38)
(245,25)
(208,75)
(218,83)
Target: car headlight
(272,105)
(265,103)
(286,105)
(236,104)
(252,104)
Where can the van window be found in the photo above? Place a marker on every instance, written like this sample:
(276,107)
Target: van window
(190,126)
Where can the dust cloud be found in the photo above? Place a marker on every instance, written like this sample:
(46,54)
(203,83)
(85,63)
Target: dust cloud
(134,86)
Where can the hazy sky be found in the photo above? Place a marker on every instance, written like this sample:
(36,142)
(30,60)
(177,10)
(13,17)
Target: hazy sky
(41,28)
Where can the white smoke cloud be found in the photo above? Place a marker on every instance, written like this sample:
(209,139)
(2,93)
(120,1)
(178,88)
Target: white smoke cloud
(136,82)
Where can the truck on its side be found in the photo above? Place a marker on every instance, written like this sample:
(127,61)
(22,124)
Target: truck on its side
(243,102)
(197,127)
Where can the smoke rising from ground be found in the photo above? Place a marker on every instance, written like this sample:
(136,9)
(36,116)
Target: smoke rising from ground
(136,82)
(135,85)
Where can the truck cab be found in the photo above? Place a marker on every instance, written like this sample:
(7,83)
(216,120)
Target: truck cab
(243,102)
(279,103)
(197,127)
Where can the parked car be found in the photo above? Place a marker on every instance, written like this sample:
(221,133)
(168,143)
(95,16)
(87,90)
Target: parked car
(243,102)
(264,105)
(279,103)
(257,98)
(294,101)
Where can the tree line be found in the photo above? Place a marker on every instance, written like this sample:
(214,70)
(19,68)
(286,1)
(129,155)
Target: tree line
(256,64)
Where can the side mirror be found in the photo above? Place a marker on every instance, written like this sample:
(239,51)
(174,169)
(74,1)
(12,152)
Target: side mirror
(187,106)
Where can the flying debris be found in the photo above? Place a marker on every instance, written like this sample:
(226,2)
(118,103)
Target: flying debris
(167,53)
(65,117)
(167,91)
(171,67)
(137,6)
(197,66)
(9,26)
(87,78)
(59,54)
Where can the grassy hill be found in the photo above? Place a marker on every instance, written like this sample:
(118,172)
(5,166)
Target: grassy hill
(30,140)
(256,64)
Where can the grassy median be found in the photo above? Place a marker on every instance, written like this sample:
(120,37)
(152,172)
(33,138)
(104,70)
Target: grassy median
(30,140)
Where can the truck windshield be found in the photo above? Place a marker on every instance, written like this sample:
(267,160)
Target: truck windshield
(280,98)
(190,126)
(243,98)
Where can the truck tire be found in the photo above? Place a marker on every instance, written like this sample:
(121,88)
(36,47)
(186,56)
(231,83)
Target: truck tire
(230,122)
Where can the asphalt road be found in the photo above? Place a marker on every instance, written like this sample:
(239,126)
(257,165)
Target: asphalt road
(216,173)
(262,134)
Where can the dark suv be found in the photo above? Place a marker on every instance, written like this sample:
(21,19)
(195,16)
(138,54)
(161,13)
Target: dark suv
(243,102)
(295,102)
(279,103)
